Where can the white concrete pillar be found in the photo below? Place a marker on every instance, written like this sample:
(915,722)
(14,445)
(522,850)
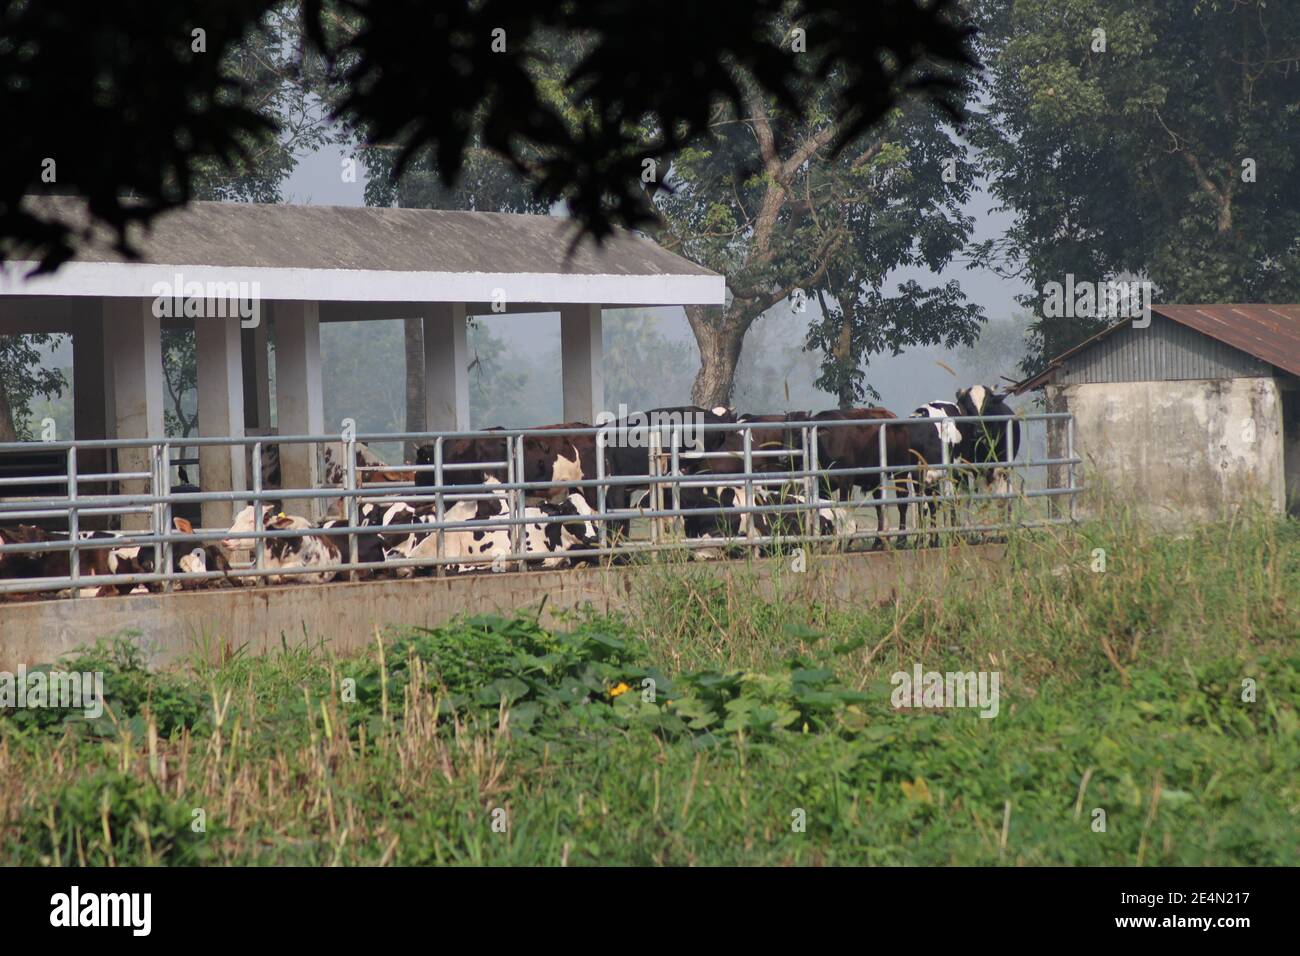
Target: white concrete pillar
(132,336)
(582,353)
(446,367)
(257,380)
(299,399)
(91,388)
(217,347)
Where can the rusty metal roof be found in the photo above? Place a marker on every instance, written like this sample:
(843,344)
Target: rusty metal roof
(1271,333)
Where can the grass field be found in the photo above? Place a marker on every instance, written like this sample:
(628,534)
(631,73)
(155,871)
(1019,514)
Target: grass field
(771,737)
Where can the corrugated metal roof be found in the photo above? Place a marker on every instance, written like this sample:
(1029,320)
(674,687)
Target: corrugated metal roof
(1270,333)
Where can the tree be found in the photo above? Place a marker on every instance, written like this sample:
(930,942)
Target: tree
(278,78)
(22,379)
(181,376)
(817,219)
(754,228)
(1156,140)
(427,77)
(896,198)
(495,385)
(146,81)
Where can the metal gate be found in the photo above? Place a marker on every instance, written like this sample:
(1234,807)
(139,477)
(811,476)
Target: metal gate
(1040,491)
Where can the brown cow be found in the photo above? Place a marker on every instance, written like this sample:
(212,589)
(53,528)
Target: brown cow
(559,458)
(858,446)
(96,556)
(767,434)
(462,451)
(336,468)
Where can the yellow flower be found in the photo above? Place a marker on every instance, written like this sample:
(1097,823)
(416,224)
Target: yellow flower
(619,688)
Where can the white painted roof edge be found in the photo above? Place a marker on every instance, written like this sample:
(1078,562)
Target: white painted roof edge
(143,280)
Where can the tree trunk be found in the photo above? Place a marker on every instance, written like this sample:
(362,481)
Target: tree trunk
(720,340)
(414,348)
(843,356)
(7,430)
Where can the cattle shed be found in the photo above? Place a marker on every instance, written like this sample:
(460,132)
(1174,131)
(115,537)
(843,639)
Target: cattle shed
(304,265)
(1189,418)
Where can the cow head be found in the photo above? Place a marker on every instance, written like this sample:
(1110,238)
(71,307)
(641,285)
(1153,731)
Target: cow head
(196,562)
(208,556)
(979,399)
(244,523)
(272,520)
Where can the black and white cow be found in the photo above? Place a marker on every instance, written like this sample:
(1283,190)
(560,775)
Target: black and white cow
(987,443)
(699,523)
(287,553)
(936,441)
(548,540)
(627,449)
(963,443)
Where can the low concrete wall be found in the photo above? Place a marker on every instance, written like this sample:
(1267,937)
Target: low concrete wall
(1178,452)
(174,626)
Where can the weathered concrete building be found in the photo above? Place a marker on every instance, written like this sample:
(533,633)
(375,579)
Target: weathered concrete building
(1187,419)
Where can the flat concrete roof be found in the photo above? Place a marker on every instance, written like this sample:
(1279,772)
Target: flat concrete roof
(372,254)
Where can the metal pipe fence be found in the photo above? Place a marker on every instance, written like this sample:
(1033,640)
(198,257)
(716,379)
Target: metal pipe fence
(773,482)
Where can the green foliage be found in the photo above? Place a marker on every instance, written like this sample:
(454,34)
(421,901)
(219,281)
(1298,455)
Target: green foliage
(134,695)
(350,354)
(22,379)
(897,200)
(551,682)
(108,819)
(768,201)
(1122,691)
(643,367)
(181,375)
(1130,159)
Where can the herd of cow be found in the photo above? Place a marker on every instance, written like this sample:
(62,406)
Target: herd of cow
(559,524)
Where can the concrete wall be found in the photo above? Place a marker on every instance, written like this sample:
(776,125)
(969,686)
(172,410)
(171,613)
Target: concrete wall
(175,626)
(1291,446)
(1179,452)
